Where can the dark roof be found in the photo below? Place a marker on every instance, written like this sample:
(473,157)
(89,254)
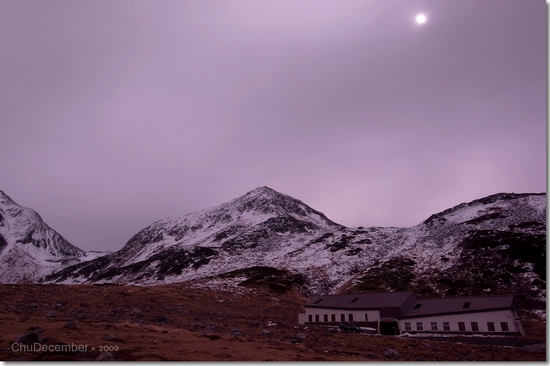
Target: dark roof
(455,305)
(375,300)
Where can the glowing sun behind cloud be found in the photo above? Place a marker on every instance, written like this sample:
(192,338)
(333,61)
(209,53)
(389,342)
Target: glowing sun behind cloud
(421,18)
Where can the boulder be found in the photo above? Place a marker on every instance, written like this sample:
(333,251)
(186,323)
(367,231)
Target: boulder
(51,314)
(236,333)
(109,337)
(161,319)
(298,338)
(36,336)
(105,356)
(70,325)
(391,354)
(213,337)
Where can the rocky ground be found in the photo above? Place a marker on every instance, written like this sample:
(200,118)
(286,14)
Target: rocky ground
(185,323)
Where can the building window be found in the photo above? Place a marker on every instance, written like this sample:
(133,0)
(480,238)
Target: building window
(434,325)
(310,318)
(343,317)
(504,326)
(318,301)
(332,317)
(350,317)
(466,305)
(408,326)
(419,326)
(366,317)
(354,300)
(475,327)
(490,326)
(446,326)
(325,317)
(461,326)
(417,306)
(316,318)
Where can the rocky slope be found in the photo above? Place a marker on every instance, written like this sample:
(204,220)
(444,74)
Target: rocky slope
(182,323)
(260,228)
(491,245)
(496,244)
(30,249)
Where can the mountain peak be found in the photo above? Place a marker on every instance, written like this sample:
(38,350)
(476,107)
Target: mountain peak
(261,194)
(5,199)
(262,190)
(265,200)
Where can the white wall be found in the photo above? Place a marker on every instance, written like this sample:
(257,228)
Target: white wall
(481,318)
(358,315)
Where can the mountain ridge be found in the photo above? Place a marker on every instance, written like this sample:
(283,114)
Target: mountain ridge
(491,245)
(238,241)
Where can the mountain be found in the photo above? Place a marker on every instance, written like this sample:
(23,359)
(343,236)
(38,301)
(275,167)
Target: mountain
(265,238)
(492,245)
(262,227)
(30,249)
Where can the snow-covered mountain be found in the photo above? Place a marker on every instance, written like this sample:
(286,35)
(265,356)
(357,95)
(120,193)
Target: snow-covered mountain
(491,244)
(262,227)
(30,249)
(496,244)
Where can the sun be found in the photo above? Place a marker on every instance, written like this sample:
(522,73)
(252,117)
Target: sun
(421,19)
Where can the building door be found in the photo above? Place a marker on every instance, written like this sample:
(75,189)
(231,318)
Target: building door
(388,327)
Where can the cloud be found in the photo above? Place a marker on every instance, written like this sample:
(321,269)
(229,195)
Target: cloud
(116,114)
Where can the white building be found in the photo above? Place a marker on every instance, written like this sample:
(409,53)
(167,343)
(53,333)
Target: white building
(400,312)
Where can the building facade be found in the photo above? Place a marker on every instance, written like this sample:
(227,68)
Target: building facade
(402,312)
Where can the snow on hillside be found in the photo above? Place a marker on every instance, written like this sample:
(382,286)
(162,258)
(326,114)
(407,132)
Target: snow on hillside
(490,245)
(267,229)
(30,249)
(496,244)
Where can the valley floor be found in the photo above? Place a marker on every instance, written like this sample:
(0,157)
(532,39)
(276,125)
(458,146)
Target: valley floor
(185,323)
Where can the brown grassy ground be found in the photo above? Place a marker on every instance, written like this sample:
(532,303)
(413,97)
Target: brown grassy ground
(197,327)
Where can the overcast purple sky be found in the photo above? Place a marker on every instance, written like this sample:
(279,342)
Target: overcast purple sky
(115,114)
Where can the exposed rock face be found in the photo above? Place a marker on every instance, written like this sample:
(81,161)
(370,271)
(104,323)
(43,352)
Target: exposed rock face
(30,249)
(264,238)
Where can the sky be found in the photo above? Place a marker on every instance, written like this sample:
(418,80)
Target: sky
(115,113)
